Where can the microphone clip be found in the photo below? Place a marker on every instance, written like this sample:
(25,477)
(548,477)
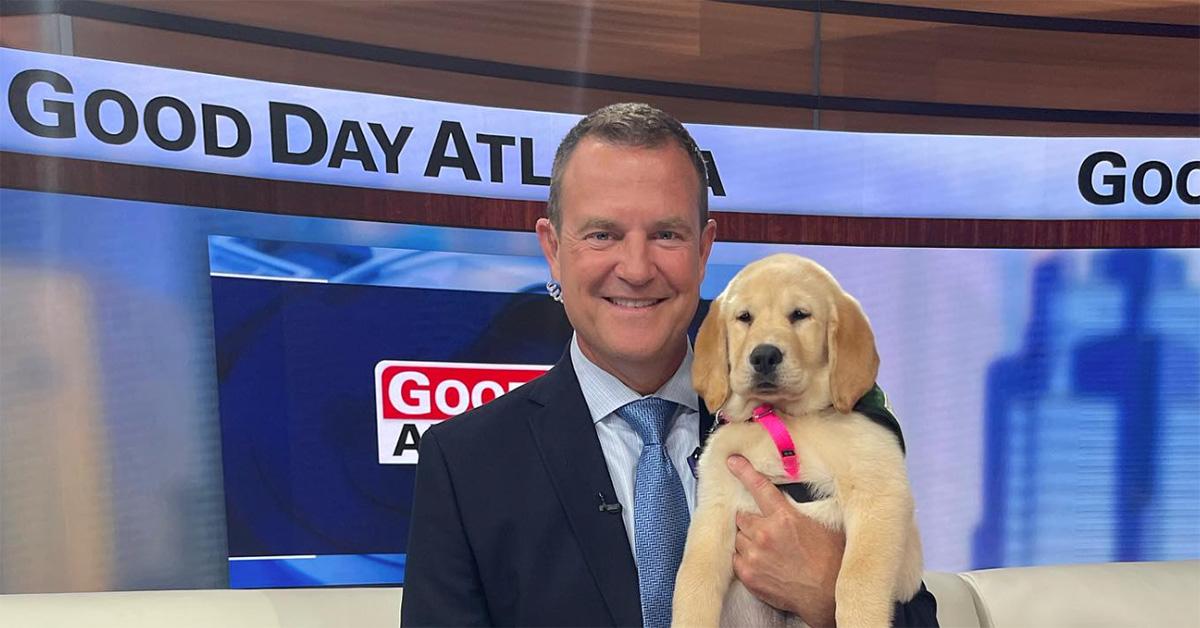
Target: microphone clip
(605,507)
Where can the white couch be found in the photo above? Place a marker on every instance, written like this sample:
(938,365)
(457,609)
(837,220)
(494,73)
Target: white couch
(1154,595)
(1158,595)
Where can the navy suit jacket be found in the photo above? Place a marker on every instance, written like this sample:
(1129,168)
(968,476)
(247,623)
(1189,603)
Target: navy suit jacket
(506,524)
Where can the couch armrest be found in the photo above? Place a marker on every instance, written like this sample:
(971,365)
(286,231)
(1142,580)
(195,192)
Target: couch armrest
(1100,595)
(956,603)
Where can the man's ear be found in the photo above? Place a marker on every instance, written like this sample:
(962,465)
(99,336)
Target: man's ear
(710,363)
(708,233)
(548,239)
(853,361)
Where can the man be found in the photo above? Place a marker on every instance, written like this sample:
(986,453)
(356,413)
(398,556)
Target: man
(565,501)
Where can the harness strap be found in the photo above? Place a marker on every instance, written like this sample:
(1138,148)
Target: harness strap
(765,416)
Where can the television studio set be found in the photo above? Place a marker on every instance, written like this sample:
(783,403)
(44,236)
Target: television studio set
(379,313)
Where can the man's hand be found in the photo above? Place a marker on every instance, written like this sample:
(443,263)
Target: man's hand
(784,558)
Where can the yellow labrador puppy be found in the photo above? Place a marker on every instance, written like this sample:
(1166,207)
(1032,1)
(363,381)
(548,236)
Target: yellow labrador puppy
(784,333)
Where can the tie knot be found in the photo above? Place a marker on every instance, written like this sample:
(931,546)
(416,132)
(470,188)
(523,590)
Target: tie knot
(648,417)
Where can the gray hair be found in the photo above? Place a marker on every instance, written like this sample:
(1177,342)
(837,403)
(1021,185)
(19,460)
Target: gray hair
(636,125)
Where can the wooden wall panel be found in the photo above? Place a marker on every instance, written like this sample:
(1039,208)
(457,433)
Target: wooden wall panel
(906,60)
(42,33)
(687,41)
(1155,11)
(135,44)
(755,43)
(710,61)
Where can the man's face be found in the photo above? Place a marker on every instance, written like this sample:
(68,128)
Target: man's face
(630,254)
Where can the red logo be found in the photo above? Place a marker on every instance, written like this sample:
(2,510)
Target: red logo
(440,390)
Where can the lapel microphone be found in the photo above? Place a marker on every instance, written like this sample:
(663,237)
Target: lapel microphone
(612,509)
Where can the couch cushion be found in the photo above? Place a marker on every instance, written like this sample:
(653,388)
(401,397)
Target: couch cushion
(256,608)
(1160,594)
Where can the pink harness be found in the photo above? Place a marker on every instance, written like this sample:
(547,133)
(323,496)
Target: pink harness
(765,416)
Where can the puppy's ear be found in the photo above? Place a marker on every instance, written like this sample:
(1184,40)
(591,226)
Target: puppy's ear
(710,366)
(853,362)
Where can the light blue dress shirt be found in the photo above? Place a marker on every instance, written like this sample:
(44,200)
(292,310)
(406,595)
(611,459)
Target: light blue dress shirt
(621,445)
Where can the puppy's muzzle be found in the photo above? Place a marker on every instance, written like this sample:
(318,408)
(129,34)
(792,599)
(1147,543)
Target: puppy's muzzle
(763,359)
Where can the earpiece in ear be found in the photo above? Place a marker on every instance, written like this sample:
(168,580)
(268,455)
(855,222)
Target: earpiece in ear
(555,290)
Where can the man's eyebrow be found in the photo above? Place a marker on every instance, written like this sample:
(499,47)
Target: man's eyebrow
(674,224)
(602,224)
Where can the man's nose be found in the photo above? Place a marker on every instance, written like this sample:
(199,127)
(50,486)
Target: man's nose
(765,358)
(636,265)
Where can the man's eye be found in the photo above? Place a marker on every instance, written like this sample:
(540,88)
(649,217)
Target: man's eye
(668,235)
(745,317)
(798,315)
(603,236)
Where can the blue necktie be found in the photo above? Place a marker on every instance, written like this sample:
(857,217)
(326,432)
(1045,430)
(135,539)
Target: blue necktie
(660,511)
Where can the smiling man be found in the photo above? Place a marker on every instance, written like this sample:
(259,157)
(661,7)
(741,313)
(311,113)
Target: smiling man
(625,240)
(566,502)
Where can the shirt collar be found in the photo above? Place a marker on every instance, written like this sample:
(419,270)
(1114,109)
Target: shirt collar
(605,393)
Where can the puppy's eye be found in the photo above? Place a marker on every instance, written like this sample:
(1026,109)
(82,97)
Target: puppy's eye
(798,315)
(745,317)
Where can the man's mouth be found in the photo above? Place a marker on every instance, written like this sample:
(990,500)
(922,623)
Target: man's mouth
(633,303)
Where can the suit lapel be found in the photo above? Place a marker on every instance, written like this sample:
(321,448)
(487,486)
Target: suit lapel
(566,437)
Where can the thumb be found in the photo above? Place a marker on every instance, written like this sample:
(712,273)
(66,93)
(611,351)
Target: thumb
(764,492)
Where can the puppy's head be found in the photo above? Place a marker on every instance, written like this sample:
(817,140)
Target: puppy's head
(784,332)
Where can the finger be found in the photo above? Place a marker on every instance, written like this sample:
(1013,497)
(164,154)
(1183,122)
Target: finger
(741,568)
(769,498)
(750,524)
(742,544)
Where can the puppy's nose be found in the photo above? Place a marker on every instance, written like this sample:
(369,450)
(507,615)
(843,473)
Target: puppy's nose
(765,358)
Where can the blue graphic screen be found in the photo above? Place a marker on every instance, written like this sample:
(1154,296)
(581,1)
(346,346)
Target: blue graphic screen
(295,368)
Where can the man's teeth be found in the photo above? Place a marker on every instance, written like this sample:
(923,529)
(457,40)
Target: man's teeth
(633,302)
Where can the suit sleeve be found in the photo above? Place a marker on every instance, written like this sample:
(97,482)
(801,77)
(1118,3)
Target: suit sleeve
(919,612)
(441,580)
